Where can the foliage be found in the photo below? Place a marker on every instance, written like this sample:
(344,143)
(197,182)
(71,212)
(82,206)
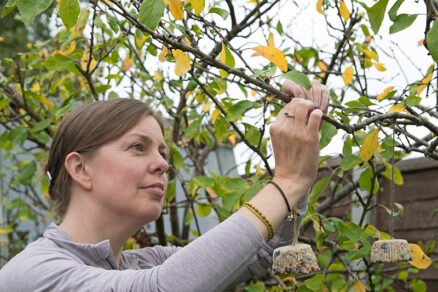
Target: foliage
(192,62)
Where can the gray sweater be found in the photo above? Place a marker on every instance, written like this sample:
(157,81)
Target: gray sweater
(229,253)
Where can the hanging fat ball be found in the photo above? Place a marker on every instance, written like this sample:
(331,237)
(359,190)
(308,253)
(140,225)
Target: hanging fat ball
(293,259)
(391,251)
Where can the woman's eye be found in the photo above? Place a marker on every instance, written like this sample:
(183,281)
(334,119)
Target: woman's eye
(164,154)
(137,147)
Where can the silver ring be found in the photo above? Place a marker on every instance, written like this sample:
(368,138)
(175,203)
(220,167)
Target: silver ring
(289,115)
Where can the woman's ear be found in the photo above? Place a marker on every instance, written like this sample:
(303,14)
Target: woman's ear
(75,164)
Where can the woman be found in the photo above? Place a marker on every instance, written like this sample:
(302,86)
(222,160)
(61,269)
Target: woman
(107,167)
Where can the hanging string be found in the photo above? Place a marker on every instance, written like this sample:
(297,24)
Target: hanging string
(295,225)
(392,200)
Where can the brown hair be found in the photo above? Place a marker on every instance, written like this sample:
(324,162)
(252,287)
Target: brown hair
(84,130)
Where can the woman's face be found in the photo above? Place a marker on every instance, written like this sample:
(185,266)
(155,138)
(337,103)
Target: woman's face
(129,173)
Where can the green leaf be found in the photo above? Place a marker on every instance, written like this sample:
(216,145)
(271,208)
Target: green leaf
(112,21)
(65,109)
(151,12)
(432,41)
(203,209)
(170,191)
(413,100)
(366,178)
(42,125)
(178,160)
(252,134)
(279,28)
(402,21)
(8,8)
(219,11)
(376,13)
(393,11)
(419,286)
(69,12)
(24,213)
(349,161)
(299,78)
(328,131)
(18,135)
(315,283)
(31,8)
(27,173)
(318,188)
(204,181)
(236,110)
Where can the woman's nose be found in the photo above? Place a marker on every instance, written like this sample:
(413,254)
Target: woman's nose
(159,165)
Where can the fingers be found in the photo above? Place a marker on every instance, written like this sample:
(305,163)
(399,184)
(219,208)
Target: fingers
(291,88)
(314,122)
(302,110)
(318,94)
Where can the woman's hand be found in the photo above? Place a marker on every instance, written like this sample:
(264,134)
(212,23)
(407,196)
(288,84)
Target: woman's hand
(295,136)
(318,93)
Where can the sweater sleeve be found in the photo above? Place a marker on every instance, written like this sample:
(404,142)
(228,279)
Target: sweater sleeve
(259,265)
(209,263)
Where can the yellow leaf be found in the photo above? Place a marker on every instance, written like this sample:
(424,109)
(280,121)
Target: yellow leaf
(158,75)
(140,41)
(358,286)
(369,146)
(223,73)
(379,66)
(397,108)
(84,62)
(198,5)
(319,7)
(345,13)
(253,92)
(67,52)
(127,63)
(323,66)
(206,107)
(182,62)
(223,55)
(371,54)
(425,82)
(271,40)
(5,231)
(187,41)
(163,55)
(47,101)
(421,260)
(175,8)
(215,114)
(189,93)
(273,54)
(348,75)
(36,87)
(232,139)
(385,93)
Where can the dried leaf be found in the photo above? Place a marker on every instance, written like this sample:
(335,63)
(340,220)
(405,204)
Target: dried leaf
(348,75)
(385,93)
(198,5)
(182,62)
(345,13)
(271,40)
(163,55)
(158,75)
(175,8)
(397,108)
(358,286)
(319,7)
(273,54)
(369,146)
(425,82)
(421,260)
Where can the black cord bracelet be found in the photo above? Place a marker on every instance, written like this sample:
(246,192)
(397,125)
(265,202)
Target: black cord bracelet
(289,211)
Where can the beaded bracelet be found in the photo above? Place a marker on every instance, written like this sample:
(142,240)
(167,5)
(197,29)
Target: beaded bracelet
(259,214)
(289,211)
